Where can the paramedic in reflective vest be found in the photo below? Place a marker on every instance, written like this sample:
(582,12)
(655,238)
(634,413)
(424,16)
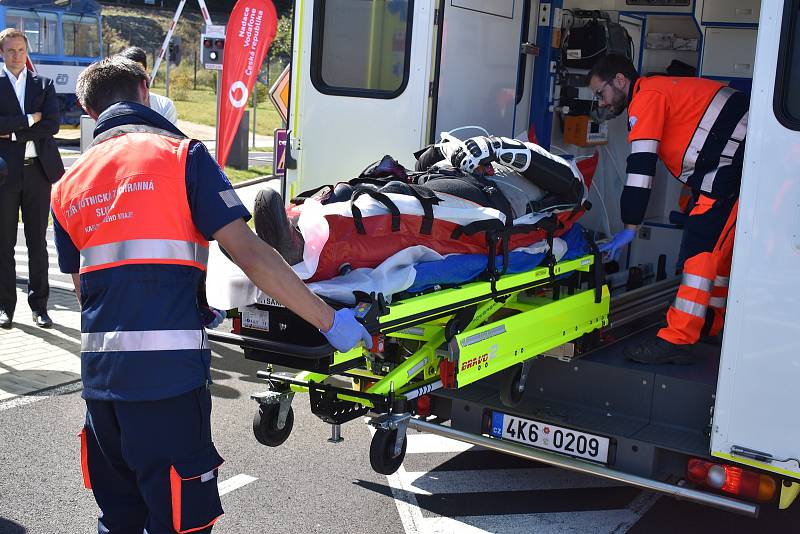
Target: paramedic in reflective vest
(133,217)
(697,128)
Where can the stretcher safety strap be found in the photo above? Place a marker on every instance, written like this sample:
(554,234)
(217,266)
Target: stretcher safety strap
(692,308)
(380,197)
(143,340)
(696,282)
(144,249)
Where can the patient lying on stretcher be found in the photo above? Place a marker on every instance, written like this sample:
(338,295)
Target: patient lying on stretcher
(460,198)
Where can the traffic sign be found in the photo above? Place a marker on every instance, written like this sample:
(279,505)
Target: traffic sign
(279,151)
(279,93)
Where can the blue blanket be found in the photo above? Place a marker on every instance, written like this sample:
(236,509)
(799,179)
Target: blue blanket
(460,268)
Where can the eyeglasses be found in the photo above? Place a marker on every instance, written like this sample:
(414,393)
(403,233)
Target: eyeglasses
(598,95)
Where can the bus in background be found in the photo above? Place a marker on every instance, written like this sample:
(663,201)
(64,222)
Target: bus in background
(64,37)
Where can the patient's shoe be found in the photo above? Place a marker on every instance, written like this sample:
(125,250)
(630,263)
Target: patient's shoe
(657,350)
(273,227)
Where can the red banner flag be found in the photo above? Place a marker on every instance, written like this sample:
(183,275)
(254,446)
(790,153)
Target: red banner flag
(251,28)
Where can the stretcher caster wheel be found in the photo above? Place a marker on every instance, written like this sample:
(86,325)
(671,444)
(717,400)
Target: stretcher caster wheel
(381,452)
(265,425)
(513,386)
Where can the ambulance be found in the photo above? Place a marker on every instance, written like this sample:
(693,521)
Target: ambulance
(370,78)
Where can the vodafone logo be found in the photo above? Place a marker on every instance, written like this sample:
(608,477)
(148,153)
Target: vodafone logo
(240,89)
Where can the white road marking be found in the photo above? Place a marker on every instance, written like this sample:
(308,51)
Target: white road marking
(22,400)
(405,487)
(234,483)
(595,521)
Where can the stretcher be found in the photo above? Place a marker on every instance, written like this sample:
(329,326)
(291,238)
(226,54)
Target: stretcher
(445,338)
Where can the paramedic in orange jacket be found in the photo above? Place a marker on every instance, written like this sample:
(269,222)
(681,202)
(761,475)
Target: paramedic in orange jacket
(132,220)
(697,128)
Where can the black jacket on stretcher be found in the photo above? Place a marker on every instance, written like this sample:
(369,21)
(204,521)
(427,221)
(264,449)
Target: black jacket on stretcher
(696,126)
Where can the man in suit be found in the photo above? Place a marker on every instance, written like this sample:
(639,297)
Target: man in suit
(29,117)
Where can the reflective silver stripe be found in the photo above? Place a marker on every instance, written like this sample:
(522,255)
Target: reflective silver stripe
(692,308)
(740,131)
(729,151)
(143,340)
(701,133)
(640,180)
(644,145)
(144,249)
(718,302)
(708,181)
(696,282)
(722,281)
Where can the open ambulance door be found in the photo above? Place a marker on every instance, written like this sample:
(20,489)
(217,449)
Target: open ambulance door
(361,73)
(479,80)
(756,420)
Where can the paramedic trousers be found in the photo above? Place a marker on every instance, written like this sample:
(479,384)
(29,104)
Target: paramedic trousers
(152,465)
(706,252)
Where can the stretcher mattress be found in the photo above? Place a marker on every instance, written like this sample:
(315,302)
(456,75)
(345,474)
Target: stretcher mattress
(413,269)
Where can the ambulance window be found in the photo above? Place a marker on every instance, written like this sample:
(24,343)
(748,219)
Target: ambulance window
(361,47)
(787,97)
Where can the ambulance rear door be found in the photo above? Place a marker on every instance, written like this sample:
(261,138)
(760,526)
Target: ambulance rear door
(479,61)
(361,73)
(756,419)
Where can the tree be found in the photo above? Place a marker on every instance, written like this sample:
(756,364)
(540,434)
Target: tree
(281,48)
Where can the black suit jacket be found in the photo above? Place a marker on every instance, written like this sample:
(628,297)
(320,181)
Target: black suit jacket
(40,95)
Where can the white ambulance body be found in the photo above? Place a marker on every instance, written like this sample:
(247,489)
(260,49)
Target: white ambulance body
(386,77)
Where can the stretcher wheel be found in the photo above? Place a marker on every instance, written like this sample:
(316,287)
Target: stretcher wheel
(381,452)
(510,394)
(265,425)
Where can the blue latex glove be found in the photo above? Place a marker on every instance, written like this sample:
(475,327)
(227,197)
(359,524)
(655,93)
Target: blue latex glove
(346,331)
(617,243)
(212,317)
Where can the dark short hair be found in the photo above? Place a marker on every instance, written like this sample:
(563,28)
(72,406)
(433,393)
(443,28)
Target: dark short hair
(607,67)
(12,33)
(106,82)
(136,54)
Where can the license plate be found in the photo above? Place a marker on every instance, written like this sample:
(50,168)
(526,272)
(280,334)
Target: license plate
(255,319)
(550,437)
(269,301)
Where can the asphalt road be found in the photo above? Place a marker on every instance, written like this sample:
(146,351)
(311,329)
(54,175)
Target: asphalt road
(310,485)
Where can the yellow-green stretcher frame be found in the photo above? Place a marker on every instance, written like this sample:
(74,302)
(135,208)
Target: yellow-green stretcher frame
(539,324)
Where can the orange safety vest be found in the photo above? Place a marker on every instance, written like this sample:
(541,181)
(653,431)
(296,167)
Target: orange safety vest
(121,209)
(124,206)
(679,113)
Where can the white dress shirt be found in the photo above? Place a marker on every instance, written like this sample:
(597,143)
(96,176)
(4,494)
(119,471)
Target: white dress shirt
(19,89)
(164,107)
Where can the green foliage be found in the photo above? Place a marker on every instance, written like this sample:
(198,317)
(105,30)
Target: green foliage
(281,48)
(181,81)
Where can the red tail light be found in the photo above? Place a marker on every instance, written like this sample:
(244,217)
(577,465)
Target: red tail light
(423,405)
(237,325)
(731,479)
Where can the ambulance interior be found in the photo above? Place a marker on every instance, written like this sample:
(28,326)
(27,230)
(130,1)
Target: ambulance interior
(658,413)
(518,69)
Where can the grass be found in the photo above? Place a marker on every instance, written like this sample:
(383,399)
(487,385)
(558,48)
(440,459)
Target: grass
(200,107)
(236,175)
